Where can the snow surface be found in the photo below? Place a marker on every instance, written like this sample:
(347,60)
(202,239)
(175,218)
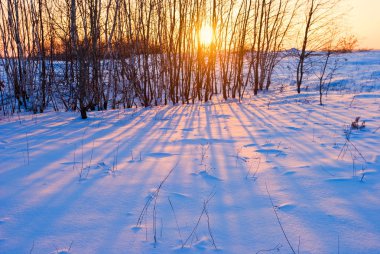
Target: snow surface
(92,186)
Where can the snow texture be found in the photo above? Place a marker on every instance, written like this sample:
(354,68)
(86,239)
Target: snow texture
(203,178)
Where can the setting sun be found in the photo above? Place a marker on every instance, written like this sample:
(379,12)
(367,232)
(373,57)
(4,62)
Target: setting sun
(205,35)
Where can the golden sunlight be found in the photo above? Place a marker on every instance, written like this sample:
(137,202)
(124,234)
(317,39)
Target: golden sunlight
(205,35)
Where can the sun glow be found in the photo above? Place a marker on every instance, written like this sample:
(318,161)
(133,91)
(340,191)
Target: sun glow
(206,35)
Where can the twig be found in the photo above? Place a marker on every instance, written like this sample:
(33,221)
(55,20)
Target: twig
(154,196)
(331,174)
(363,175)
(361,155)
(92,152)
(352,101)
(204,149)
(238,151)
(155,223)
(277,248)
(31,249)
(278,220)
(346,148)
(257,169)
(71,244)
(208,226)
(199,218)
(114,164)
(176,221)
(84,132)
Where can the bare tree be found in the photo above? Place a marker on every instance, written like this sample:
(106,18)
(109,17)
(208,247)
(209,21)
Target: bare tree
(319,15)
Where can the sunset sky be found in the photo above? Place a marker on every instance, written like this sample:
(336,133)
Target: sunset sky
(364,20)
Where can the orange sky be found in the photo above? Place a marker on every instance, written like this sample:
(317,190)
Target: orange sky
(364,20)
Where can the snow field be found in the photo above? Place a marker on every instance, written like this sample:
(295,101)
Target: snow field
(74,186)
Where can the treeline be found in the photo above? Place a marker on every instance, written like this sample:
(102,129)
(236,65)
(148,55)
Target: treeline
(100,54)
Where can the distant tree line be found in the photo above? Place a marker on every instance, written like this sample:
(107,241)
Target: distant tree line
(101,54)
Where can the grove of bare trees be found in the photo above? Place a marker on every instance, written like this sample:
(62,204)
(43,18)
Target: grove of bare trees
(98,54)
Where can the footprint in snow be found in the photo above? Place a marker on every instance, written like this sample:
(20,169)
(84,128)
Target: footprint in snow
(289,173)
(286,207)
(293,128)
(179,195)
(204,141)
(263,130)
(275,152)
(250,145)
(159,155)
(3,220)
(105,167)
(101,164)
(69,163)
(203,243)
(188,129)
(205,175)
(343,180)
(61,252)
(136,229)
(377,159)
